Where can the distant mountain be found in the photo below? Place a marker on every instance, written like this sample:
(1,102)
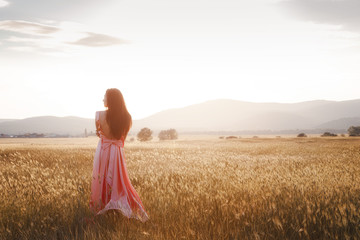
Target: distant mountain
(48,125)
(213,116)
(6,120)
(343,123)
(232,115)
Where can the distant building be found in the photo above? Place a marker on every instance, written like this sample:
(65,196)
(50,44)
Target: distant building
(30,135)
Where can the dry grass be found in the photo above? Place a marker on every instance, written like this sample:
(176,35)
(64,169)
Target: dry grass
(192,189)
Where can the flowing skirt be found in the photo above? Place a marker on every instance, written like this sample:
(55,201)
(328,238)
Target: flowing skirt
(110,186)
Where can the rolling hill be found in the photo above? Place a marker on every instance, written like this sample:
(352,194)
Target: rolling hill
(213,116)
(48,125)
(232,115)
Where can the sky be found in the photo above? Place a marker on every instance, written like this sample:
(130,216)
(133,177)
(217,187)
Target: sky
(58,57)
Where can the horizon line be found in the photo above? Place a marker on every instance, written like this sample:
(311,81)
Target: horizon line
(211,100)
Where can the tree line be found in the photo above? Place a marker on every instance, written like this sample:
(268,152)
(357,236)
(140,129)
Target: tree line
(145,134)
(352,131)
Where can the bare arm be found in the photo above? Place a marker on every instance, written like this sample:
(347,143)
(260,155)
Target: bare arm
(97,123)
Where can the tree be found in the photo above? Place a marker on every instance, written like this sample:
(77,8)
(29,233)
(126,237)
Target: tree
(169,134)
(144,135)
(329,134)
(231,137)
(301,135)
(354,131)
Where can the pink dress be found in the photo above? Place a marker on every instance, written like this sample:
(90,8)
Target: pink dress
(111,187)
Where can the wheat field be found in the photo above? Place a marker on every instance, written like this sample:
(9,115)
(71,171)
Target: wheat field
(208,188)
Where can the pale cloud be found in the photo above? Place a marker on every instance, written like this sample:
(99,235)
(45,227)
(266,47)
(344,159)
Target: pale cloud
(344,13)
(3,3)
(21,39)
(27,27)
(34,43)
(98,40)
(56,37)
(23,49)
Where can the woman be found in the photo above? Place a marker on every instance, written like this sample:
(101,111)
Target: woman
(110,186)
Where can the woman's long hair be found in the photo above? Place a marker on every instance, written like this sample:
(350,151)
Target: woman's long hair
(117,117)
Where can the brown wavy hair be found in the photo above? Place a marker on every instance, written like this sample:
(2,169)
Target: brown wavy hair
(118,118)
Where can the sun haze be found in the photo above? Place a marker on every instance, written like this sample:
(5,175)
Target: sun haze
(58,58)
